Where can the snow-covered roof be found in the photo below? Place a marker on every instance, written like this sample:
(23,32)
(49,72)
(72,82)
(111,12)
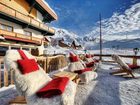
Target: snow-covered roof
(49,7)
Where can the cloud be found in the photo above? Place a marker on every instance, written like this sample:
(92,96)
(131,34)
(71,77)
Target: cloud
(120,24)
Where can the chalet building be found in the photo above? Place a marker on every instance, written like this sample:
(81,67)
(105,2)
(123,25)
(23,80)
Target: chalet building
(61,43)
(75,46)
(24,23)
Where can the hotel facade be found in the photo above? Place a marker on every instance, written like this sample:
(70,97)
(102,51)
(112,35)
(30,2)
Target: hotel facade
(24,24)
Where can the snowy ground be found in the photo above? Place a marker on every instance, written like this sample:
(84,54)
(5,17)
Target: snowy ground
(105,90)
(6,94)
(109,90)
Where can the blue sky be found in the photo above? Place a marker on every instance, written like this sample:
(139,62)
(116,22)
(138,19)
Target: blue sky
(80,16)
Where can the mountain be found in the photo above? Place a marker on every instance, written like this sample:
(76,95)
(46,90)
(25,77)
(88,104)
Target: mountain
(68,37)
(121,30)
(119,26)
(118,44)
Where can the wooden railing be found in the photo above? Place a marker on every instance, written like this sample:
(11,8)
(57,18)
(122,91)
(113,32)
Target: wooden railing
(47,63)
(6,77)
(22,36)
(24,18)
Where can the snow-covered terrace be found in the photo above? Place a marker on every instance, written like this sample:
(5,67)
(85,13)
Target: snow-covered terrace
(105,90)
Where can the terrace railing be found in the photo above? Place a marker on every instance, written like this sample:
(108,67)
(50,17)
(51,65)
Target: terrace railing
(8,34)
(47,63)
(6,77)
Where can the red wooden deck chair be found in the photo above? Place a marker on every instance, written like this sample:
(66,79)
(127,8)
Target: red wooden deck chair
(32,83)
(78,66)
(124,68)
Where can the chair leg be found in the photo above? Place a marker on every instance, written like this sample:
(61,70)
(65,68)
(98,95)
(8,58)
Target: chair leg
(123,71)
(131,74)
(118,72)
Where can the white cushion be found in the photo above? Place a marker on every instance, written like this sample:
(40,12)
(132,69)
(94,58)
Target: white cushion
(89,60)
(75,66)
(29,83)
(88,76)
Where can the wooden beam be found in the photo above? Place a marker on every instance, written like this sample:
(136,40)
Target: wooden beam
(31,7)
(5,77)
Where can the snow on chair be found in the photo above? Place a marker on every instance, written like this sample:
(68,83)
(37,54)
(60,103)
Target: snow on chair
(90,61)
(76,65)
(33,80)
(124,68)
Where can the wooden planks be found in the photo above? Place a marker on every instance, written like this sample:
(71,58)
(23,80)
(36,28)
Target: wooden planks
(19,100)
(70,75)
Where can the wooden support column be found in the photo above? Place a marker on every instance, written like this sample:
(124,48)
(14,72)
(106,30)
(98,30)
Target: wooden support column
(9,47)
(30,50)
(31,7)
(134,60)
(45,64)
(5,77)
(11,77)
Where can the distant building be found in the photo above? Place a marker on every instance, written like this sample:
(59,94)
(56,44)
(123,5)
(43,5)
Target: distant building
(61,43)
(22,24)
(75,46)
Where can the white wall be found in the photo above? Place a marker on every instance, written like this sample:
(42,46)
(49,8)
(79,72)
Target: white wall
(18,28)
(39,16)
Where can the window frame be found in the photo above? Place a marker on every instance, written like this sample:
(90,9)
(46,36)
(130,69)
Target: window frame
(28,32)
(7,26)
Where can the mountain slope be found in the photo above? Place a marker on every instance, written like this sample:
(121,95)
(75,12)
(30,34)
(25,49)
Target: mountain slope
(68,37)
(119,44)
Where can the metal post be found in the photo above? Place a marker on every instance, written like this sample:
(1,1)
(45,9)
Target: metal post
(100,38)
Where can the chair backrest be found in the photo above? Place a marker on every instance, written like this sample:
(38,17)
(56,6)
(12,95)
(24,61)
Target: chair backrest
(120,61)
(75,65)
(29,83)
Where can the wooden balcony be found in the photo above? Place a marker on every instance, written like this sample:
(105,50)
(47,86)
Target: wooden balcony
(7,10)
(18,17)
(20,37)
(51,30)
(44,26)
(23,36)
(22,17)
(2,32)
(35,22)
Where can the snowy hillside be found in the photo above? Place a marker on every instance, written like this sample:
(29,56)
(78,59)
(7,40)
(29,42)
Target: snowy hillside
(120,31)
(119,26)
(68,37)
(92,43)
(118,44)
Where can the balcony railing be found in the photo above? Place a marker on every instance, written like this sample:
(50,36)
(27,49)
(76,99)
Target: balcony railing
(24,18)
(20,36)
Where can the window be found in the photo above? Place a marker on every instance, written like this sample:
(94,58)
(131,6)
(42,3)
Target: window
(15,48)
(27,49)
(28,33)
(9,29)
(6,27)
